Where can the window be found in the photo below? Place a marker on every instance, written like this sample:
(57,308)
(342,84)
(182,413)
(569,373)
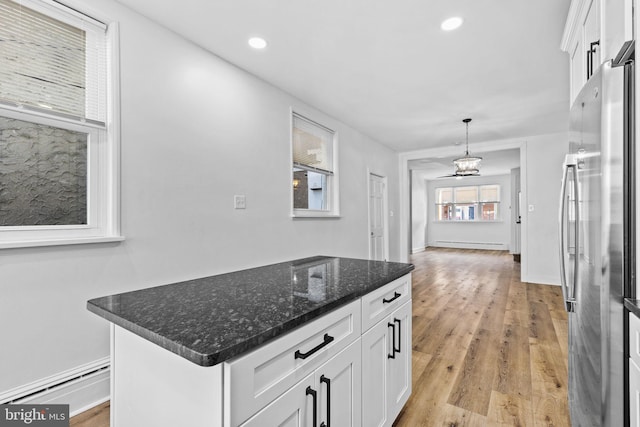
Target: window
(58,177)
(470,203)
(314,172)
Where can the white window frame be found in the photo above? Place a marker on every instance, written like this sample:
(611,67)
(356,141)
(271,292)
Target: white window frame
(477,202)
(332,197)
(103,155)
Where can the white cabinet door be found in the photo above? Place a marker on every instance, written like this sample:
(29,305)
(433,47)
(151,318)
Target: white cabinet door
(577,67)
(399,367)
(376,348)
(634,394)
(592,36)
(293,409)
(386,368)
(339,389)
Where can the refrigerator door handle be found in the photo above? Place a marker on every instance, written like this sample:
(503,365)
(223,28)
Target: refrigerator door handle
(561,228)
(576,255)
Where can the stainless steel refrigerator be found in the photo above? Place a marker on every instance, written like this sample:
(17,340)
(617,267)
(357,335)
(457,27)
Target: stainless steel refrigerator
(596,241)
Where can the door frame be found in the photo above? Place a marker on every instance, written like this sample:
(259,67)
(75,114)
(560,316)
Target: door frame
(385,212)
(405,194)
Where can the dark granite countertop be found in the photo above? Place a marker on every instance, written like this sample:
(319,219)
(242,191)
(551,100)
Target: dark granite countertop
(212,319)
(633,305)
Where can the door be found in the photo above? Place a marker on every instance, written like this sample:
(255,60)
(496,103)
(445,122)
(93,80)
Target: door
(399,366)
(377,218)
(375,352)
(295,408)
(339,393)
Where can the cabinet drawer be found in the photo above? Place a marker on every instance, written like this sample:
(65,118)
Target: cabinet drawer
(381,302)
(253,380)
(634,338)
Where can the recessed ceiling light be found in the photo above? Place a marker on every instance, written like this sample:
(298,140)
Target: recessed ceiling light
(257,42)
(451,23)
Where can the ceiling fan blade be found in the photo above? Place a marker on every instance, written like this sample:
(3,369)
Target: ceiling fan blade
(453,175)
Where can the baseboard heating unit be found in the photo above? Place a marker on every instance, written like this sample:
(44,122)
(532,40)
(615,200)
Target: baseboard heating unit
(81,388)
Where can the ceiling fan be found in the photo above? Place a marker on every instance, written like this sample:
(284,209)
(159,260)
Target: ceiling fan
(466,165)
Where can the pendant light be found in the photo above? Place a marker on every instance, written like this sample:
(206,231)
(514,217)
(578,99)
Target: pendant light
(467,165)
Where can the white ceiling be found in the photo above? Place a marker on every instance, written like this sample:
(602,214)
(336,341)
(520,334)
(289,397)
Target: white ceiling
(385,67)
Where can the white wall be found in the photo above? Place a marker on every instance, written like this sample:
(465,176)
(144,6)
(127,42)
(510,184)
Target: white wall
(545,155)
(195,131)
(471,234)
(419,214)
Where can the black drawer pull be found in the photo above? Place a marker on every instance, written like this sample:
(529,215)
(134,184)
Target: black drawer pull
(314,397)
(396,295)
(327,381)
(393,341)
(327,339)
(399,349)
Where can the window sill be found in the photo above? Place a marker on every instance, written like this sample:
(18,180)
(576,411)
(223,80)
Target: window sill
(59,242)
(297,214)
(467,221)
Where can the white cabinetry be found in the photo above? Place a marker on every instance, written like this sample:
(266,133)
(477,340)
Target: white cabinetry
(330,396)
(594,33)
(634,371)
(581,40)
(386,358)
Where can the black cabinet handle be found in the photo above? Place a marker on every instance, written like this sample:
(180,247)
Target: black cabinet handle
(327,339)
(590,52)
(396,295)
(393,341)
(314,396)
(327,381)
(398,350)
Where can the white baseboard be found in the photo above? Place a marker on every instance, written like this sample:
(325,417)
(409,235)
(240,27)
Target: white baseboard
(469,245)
(416,250)
(81,388)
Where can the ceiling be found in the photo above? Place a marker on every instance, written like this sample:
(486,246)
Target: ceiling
(387,69)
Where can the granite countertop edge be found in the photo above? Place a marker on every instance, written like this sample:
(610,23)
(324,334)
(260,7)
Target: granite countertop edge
(224,354)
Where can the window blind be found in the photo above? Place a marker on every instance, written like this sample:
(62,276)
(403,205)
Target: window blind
(489,193)
(312,145)
(466,194)
(444,195)
(54,62)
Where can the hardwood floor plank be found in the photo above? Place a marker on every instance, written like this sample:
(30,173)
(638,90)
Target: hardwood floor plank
(541,325)
(509,411)
(549,385)
(451,415)
(472,389)
(513,375)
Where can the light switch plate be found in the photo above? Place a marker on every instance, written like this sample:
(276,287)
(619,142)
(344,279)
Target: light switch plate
(239,201)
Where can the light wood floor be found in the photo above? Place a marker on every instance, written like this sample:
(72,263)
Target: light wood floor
(488,350)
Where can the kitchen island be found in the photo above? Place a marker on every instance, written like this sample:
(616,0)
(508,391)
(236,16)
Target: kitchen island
(298,343)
